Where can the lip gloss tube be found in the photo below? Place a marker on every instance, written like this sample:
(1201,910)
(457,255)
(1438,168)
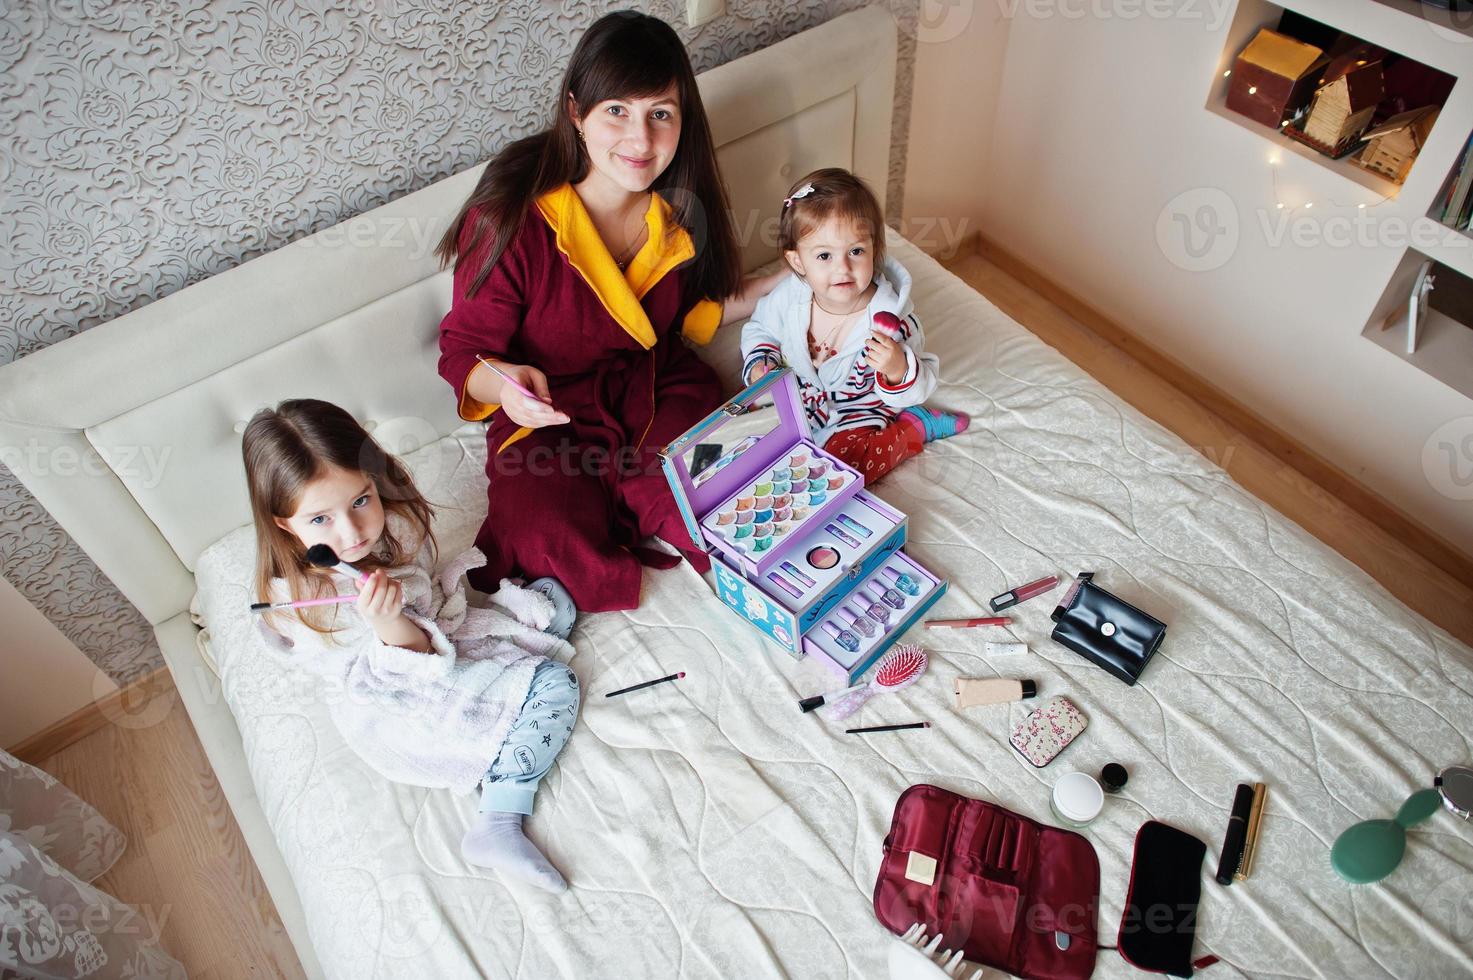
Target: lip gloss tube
(784,584)
(854,525)
(1023,593)
(794,571)
(842,535)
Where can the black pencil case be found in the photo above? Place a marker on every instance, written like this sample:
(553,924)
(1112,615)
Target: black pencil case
(1159,926)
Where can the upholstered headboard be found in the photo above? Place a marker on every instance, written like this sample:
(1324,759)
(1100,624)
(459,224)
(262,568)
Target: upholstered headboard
(130,432)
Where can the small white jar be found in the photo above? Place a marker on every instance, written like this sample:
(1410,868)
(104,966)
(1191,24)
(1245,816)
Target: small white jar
(1077,799)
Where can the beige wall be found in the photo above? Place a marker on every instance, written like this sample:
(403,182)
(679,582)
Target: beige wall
(45,677)
(960,47)
(1099,127)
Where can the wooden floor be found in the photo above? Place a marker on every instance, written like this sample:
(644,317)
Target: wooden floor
(186,865)
(186,858)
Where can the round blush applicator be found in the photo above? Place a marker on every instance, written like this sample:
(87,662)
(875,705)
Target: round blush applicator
(323,556)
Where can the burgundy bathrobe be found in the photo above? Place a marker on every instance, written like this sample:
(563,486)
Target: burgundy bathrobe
(573,501)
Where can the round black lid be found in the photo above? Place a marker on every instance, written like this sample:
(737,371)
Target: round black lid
(1114,776)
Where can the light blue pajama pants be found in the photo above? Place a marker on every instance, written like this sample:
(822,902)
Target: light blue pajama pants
(534,740)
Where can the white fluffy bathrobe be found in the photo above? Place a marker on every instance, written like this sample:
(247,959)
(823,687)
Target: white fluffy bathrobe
(843,392)
(432,719)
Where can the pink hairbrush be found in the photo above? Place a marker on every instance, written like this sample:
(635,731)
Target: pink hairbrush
(889,325)
(898,669)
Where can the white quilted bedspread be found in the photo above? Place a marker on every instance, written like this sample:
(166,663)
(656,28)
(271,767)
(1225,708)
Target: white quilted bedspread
(711,830)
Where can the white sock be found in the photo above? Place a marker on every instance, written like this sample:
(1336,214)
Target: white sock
(495,840)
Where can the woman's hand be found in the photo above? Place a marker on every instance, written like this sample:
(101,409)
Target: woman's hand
(740,306)
(534,413)
(381,603)
(887,357)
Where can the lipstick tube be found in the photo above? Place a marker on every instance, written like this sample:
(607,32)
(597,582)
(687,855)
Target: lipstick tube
(1023,593)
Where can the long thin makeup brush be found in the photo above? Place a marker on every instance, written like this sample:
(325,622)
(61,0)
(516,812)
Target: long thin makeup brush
(261,607)
(321,556)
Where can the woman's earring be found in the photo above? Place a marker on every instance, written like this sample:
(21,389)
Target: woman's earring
(581,137)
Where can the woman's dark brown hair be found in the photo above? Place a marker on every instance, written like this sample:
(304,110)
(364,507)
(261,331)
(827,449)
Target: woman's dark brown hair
(836,192)
(287,447)
(623,55)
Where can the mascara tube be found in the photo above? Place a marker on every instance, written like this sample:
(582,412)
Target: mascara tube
(1237,835)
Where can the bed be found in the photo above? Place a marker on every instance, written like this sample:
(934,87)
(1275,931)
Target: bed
(708,828)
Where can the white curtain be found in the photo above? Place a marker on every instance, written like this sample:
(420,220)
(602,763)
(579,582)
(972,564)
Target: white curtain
(53,924)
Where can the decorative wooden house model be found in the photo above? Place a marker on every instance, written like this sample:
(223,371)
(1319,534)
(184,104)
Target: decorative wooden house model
(1395,143)
(1350,89)
(1273,77)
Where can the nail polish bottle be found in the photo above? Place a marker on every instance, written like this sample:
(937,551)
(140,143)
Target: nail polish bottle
(903,582)
(844,638)
(890,596)
(859,622)
(874,608)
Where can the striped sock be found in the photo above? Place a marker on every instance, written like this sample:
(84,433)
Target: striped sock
(935,425)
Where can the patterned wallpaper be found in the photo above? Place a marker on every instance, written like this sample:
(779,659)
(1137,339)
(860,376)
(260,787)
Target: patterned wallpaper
(147,144)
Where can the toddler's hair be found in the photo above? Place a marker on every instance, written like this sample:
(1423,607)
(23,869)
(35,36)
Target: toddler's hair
(836,192)
(287,447)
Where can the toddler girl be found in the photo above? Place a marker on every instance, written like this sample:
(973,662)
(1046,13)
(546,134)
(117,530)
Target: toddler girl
(427,689)
(862,382)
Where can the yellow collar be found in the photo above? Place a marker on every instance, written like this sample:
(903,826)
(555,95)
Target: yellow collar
(667,246)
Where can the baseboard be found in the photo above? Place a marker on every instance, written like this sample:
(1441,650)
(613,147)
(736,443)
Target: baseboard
(1282,446)
(126,701)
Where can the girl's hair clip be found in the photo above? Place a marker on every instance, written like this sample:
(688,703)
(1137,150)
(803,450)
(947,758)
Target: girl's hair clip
(803,191)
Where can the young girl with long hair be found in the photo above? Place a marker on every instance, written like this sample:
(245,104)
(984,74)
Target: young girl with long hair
(426,688)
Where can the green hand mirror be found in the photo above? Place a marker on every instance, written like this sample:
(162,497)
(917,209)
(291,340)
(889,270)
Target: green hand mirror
(1371,850)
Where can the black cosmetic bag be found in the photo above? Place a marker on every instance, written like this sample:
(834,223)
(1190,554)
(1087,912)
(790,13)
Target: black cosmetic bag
(1108,632)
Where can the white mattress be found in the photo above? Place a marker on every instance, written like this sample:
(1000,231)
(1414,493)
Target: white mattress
(711,830)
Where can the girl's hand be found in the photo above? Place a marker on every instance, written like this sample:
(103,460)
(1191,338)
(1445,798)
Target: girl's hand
(533,413)
(887,357)
(381,601)
(760,369)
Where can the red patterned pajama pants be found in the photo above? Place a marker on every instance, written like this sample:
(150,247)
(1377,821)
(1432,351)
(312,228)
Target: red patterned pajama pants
(875,452)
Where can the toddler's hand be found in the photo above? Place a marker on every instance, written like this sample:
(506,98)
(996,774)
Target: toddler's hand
(759,370)
(533,413)
(380,600)
(887,357)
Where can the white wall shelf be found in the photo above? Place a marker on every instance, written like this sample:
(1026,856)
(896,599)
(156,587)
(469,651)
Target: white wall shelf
(1370,20)
(1444,344)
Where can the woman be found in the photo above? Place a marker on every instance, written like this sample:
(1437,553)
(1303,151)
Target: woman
(583,255)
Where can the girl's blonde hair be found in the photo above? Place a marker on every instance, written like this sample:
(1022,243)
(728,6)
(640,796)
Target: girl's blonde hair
(287,447)
(835,192)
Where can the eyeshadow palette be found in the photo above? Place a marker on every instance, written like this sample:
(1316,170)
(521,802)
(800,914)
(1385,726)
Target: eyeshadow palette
(799,549)
(780,501)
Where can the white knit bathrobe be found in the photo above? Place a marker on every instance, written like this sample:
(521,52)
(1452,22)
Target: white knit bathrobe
(433,719)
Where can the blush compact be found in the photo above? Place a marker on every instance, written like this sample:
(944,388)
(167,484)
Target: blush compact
(823,557)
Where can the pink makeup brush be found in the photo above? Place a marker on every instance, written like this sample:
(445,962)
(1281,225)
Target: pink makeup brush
(261,607)
(888,324)
(898,669)
(507,378)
